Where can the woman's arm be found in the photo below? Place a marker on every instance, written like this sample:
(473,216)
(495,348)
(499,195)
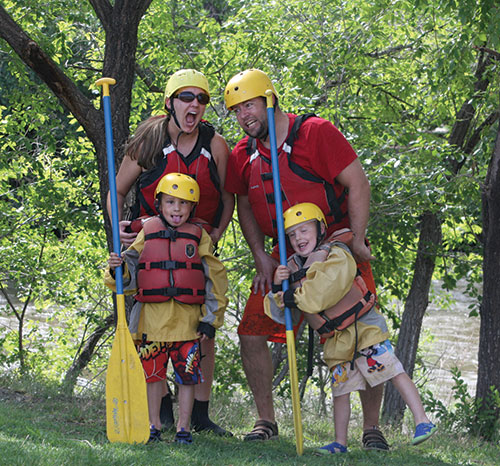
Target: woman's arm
(220,153)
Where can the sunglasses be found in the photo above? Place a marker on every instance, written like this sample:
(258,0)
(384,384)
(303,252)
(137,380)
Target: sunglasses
(188,96)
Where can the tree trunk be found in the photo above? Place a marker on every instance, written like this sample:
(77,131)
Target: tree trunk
(416,304)
(120,21)
(489,333)
(415,307)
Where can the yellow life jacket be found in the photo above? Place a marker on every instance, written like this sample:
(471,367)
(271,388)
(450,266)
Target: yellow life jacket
(358,300)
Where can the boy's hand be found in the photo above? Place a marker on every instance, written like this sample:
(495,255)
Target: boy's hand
(278,299)
(205,331)
(114,260)
(280,274)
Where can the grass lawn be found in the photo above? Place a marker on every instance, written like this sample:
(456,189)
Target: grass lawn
(44,429)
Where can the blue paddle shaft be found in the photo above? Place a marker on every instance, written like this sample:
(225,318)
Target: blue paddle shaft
(278,203)
(112,188)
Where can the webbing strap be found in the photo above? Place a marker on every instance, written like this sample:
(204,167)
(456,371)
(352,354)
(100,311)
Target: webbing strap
(169,265)
(299,275)
(172,235)
(332,324)
(172,291)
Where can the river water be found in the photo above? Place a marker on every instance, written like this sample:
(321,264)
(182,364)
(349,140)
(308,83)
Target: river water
(454,343)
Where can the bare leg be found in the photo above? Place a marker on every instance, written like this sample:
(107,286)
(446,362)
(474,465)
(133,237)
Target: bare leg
(371,400)
(406,388)
(155,393)
(202,391)
(341,416)
(186,399)
(258,368)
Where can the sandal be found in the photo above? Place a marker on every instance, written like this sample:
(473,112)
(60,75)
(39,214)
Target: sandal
(154,435)
(262,430)
(183,437)
(373,439)
(334,447)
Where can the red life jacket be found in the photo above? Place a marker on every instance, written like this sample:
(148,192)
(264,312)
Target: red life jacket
(297,185)
(357,302)
(199,164)
(170,265)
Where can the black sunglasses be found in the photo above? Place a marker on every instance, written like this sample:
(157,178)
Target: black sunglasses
(188,96)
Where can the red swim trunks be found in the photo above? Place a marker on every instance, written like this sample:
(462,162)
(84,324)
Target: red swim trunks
(185,356)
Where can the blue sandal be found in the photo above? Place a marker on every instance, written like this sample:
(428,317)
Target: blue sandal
(333,447)
(154,435)
(423,431)
(183,437)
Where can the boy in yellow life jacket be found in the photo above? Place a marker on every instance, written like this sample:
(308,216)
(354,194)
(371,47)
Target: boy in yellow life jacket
(180,288)
(325,287)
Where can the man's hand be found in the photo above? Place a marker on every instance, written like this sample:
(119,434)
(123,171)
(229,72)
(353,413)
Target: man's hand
(264,265)
(360,251)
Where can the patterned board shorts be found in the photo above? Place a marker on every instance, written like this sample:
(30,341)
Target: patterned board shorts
(185,356)
(376,364)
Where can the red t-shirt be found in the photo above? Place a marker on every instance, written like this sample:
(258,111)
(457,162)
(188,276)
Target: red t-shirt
(320,148)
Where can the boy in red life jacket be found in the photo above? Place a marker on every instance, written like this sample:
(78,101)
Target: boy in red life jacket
(324,287)
(180,289)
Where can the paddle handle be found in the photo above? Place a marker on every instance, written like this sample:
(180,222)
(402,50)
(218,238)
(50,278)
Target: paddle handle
(277,197)
(290,336)
(110,151)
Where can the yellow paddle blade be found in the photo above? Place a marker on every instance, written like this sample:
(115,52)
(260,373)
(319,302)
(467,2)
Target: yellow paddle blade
(294,387)
(127,417)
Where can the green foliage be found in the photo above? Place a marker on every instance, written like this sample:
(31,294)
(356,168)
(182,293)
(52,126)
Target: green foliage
(467,414)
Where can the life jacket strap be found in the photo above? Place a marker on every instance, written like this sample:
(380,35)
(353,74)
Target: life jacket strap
(169,265)
(332,324)
(171,235)
(173,291)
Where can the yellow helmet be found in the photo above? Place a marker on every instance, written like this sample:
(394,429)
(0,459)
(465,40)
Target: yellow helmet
(301,213)
(247,85)
(185,78)
(179,185)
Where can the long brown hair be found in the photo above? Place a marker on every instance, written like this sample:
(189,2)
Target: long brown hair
(146,143)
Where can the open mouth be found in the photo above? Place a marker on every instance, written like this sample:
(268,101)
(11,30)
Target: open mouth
(191,118)
(250,123)
(175,219)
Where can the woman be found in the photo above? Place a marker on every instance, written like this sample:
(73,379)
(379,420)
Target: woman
(180,142)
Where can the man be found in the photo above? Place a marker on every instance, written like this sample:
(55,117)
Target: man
(317,165)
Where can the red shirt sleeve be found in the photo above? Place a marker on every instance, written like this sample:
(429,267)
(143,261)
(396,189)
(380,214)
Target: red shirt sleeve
(322,149)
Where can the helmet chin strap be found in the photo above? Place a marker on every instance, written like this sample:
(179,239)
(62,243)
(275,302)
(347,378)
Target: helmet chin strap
(320,236)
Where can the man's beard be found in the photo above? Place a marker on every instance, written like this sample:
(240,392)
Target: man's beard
(262,133)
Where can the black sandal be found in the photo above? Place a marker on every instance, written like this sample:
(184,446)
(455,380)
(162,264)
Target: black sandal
(373,439)
(262,430)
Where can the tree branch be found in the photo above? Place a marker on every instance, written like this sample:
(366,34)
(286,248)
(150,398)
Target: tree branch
(104,11)
(64,89)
